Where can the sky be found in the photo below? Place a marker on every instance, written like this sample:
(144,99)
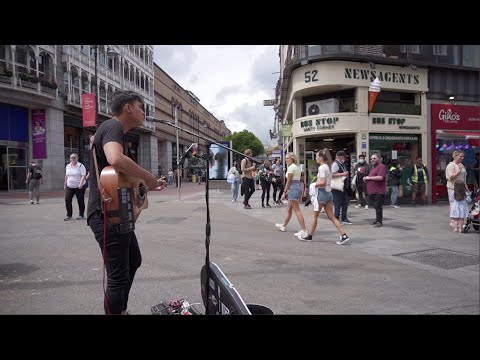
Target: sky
(231,81)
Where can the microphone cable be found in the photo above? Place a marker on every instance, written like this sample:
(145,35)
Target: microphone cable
(104,252)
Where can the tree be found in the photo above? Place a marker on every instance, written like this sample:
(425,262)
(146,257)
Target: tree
(245,140)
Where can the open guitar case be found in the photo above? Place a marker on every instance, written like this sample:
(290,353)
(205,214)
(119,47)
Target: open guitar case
(219,295)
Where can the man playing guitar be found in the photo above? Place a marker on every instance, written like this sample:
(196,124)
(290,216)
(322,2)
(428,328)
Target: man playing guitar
(121,253)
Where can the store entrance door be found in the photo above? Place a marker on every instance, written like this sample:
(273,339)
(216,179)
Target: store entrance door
(3,168)
(13,168)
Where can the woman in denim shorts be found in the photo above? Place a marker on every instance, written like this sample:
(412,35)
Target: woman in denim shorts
(294,190)
(324,197)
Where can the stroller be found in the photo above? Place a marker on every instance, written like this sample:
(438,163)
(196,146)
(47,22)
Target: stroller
(473,218)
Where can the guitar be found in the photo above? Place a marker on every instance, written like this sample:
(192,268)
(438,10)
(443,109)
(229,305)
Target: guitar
(124,197)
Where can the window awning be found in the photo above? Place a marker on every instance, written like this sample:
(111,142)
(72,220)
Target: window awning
(449,134)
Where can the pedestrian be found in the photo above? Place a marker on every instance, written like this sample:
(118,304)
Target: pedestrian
(395,174)
(459,205)
(341,198)
(377,187)
(119,247)
(234,185)
(323,197)
(294,190)
(454,171)
(75,173)
(360,170)
(248,183)
(266,175)
(418,179)
(170,178)
(277,181)
(34,179)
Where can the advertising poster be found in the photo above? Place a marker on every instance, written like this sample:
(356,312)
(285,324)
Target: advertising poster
(39,143)
(88,110)
(218,161)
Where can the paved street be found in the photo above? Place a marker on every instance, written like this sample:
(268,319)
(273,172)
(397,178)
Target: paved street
(49,266)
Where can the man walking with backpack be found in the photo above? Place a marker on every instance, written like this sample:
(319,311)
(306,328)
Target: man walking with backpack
(34,179)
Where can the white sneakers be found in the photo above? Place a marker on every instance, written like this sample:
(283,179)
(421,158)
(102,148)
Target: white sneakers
(301,233)
(358,206)
(366,207)
(280,227)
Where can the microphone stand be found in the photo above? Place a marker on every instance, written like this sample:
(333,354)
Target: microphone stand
(209,141)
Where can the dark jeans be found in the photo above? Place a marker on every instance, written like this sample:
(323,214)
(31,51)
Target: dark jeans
(340,201)
(277,186)
(248,189)
(377,200)
(362,190)
(80,194)
(265,190)
(122,260)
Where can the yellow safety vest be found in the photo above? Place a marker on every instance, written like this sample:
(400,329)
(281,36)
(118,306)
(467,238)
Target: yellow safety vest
(415,173)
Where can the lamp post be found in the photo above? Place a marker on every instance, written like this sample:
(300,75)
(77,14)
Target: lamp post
(198,135)
(178,152)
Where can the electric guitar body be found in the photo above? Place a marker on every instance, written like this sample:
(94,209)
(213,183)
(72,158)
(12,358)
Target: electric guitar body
(124,197)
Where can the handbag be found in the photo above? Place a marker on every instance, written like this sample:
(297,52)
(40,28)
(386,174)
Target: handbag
(354,183)
(337,183)
(231,178)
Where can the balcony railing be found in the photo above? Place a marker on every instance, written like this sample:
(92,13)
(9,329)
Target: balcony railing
(455,55)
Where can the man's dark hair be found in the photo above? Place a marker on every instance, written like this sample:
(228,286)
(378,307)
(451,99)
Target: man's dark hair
(361,156)
(123,97)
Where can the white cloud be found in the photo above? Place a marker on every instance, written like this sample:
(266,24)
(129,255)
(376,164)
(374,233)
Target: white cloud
(231,81)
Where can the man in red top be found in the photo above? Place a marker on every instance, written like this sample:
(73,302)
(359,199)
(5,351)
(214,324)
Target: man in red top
(377,187)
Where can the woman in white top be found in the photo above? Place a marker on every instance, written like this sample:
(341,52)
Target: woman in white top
(294,190)
(325,197)
(75,174)
(455,171)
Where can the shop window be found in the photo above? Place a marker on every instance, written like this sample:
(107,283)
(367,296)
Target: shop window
(446,144)
(440,50)
(402,148)
(391,102)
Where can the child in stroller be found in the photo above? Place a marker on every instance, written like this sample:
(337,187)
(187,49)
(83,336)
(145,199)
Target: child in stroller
(473,218)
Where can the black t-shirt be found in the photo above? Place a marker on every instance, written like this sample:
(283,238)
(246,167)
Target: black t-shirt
(109,131)
(36,172)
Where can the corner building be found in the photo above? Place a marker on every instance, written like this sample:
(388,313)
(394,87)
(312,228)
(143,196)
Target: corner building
(322,97)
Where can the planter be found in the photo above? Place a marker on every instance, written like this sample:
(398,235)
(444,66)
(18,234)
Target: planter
(48,84)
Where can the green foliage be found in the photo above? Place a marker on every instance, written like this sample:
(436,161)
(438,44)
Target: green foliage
(245,140)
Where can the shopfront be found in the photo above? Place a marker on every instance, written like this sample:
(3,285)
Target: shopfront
(453,127)
(14,142)
(395,138)
(400,148)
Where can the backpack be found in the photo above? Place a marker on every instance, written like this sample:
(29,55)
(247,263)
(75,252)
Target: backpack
(36,172)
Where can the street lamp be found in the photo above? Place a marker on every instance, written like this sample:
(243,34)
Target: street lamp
(96,87)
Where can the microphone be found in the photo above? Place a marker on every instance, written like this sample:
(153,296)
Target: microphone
(187,152)
(191,146)
(152,119)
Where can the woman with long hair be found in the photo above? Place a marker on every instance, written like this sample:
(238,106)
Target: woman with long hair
(294,190)
(266,176)
(324,197)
